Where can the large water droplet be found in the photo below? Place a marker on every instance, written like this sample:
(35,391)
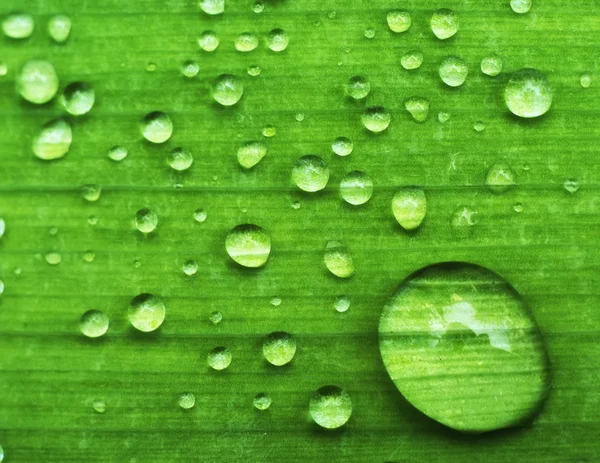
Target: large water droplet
(399,20)
(376,119)
(338,259)
(59,28)
(528,93)
(330,407)
(279,348)
(310,173)
(246,42)
(78,98)
(278,40)
(208,41)
(146,312)
(157,127)
(358,87)
(453,71)
(212,7)
(409,206)
(94,323)
(500,177)
(444,23)
(187,400)
(53,141)
(180,159)
(146,220)
(521,6)
(262,401)
(356,188)
(219,358)
(248,245)
(227,90)
(418,107)
(461,346)
(251,153)
(18,26)
(37,82)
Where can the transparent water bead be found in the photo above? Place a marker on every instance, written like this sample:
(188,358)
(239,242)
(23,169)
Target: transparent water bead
(528,93)
(571,186)
(91,192)
(341,304)
(187,400)
(262,401)
(358,87)
(521,6)
(399,20)
(215,317)
(356,188)
(227,90)
(249,245)
(409,207)
(310,173)
(37,82)
(146,220)
(412,59)
(190,68)
(212,7)
(200,215)
(479,126)
(585,80)
(146,312)
(376,119)
(18,26)
(59,28)
(444,23)
(190,267)
(117,153)
(461,346)
(53,141)
(157,127)
(279,348)
(500,177)
(53,258)
(219,358)
(369,33)
(94,323)
(208,41)
(254,70)
(269,131)
(418,107)
(278,40)
(330,407)
(246,42)
(453,71)
(99,406)
(180,159)
(78,98)
(342,146)
(275,301)
(338,259)
(491,65)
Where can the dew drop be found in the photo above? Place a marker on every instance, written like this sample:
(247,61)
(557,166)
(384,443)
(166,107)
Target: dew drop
(187,400)
(376,119)
(338,259)
(369,33)
(215,317)
(330,407)
(212,7)
(258,7)
(341,304)
(89,256)
(358,87)
(571,186)
(528,93)
(18,26)
(53,141)
(342,146)
(399,20)
(585,80)
(157,127)
(91,193)
(412,59)
(53,258)
(219,358)
(146,220)
(246,42)
(518,207)
(310,173)
(262,401)
(461,346)
(200,215)
(151,66)
(208,41)
(146,312)
(356,188)
(479,126)
(521,6)
(443,117)
(59,28)
(299,117)
(275,301)
(254,70)
(190,267)
(491,65)
(453,71)
(279,348)
(180,159)
(117,153)
(444,23)
(269,131)
(37,82)
(278,40)
(409,207)
(99,406)
(500,178)
(296,205)
(92,220)
(418,107)
(227,90)
(251,153)
(248,245)
(190,68)
(94,323)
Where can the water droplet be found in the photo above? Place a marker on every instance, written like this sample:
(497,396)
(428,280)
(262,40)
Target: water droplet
(461,346)
(296,205)
(146,220)
(246,42)
(208,41)
(310,173)
(180,159)
(89,256)
(571,185)
(117,153)
(521,6)
(227,90)
(332,14)
(187,400)
(91,193)
(479,126)
(137,263)
(18,26)
(299,117)
(279,348)
(341,304)
(369,33)
(251,153)
(278,40)
(94,323)
(53,140)
(338,259)
(254,70)
(500,177)
(409,207)
(157,127)
(376,119)
(444,23)
(518,207)
(3,72)
(443,117)
(212,7)
(146,312)
(528,93)
(200,215)
(453,71)
(491,65)
(418,107)
(37,82)
(2,227)
(358,87)
(1,287)
(330,407)
(356,188)
(399,20)
(463,219)
(92,220)
(190,68)
(190,267)
(53,231)
(99,406)
(215,317)
(53,258)
(248,245)
(219,358)
(59,28)
(412,59)
(262,401)
(275,301)
(269,131)
(585,80)
(151,66)
(342,146)
(258,7)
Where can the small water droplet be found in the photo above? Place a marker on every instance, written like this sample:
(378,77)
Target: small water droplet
(296,205)
(52,231)
(53,258)
(200,215)
(53,141)
(99,406)
(330,407)
(215,317)
(254,70)
(251,153)
(212,7)
(369,33)
(310,173)
(59,28)
(409,207)
(342,146)
(358,87)
(146,312)
(275,301)
(208,41)
(299,117)
(500,177)
(227,90)
(157,127)
(248,245)
(412,59)
(356,188)
(269,131)
(219,358)
(190,68)
(444,23)
(91,193)
(146,220)
(18,26)
(246,42)
(92,220)
(418,107)
(262,401)
(258,7)
(491,65)
(341,304)
(94,323)
(585,80)
(89,256)
(443,117)
(571,185)
(151,66)
(37,82)
(453,71)
(528,93)
(278,40)
(187,400)
(180,159)
(18,271)
(190,267)
(521,6)
(117,153)
(279,348)
(518,207)
(338,259)
(399,20)
(376,119)
(78,98)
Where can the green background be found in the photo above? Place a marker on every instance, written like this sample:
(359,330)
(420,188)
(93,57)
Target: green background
(50,374)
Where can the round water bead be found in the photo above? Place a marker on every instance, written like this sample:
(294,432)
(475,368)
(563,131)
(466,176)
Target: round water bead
(94,323)
(37,82)
(187,400)
(585,80)
(208,41)
(376,119)
(215,317)
(117,153)
(200,215)
(278,40)
(91,192)
(409,207)
(53,258)
(444,23)
(342,146)
(251,153)
(227,90)
(59,28)
(412,59)
(500,177)
(212,7)
(453,71)
(330,407)
(219,358)
(399,20)
(310,173)
(528,93)
(146,312)
(190,68)
(157,127)
(53,141)
(341,304)
(18,26)
(180,159)
(356,188)
(418,107)
(521,6)
(78,98)
(246,42)
(262,401)
(358,87)
(279,348)
(338,259)
(190,267)
(491,65)
(146,220)
(248,245)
